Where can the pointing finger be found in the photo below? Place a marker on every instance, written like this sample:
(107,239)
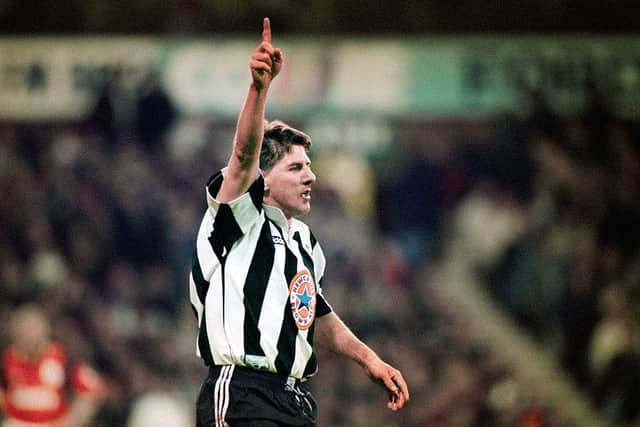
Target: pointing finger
(266,30)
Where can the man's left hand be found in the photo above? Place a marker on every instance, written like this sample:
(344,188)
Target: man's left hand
(392,380)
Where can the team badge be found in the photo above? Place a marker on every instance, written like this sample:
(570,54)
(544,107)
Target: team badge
(302,296)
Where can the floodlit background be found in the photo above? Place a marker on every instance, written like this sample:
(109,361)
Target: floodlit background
(477,198)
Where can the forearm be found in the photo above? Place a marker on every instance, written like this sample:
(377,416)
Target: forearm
(244,162)
(245,158)
(333,334)
(81,412)
(250,127)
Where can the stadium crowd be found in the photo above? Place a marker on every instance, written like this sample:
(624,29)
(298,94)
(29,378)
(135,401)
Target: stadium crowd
(567,260)
(97,219)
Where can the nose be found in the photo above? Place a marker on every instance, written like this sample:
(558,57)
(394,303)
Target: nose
(310,177)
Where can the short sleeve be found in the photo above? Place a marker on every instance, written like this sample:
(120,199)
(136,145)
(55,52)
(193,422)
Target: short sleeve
(323,307)
(245,210)
(86,381)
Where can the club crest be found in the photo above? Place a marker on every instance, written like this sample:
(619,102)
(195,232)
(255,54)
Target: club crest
(302,297)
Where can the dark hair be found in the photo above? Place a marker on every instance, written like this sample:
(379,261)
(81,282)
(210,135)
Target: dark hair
(278,139)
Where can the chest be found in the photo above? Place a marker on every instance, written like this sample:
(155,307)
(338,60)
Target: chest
(270,256)
(47,371)
(292,251)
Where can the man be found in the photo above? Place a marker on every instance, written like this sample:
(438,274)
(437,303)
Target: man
(36,378)
(255,281)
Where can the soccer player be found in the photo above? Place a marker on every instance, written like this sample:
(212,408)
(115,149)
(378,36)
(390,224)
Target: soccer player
(37,378)
(256,276)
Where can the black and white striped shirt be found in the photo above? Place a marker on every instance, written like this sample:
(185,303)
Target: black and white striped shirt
(255,285)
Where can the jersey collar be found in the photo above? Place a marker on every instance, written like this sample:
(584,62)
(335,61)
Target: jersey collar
(276,215)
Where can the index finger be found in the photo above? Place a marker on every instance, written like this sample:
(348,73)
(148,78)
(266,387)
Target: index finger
(266,30)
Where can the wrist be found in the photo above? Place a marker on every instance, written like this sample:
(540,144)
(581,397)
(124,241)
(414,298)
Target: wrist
(259,86)
(367,358)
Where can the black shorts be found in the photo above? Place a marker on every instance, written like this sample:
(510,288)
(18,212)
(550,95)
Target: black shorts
(236,396)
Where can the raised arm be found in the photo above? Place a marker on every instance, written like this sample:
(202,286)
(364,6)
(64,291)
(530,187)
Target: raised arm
(332,333)
(242,169)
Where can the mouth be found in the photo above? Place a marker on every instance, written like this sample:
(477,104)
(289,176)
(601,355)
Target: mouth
(306,195)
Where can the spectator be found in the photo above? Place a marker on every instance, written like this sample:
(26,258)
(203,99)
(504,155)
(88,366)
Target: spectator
(155,114)
(36,374)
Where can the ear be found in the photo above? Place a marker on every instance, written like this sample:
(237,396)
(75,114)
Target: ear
(265,177)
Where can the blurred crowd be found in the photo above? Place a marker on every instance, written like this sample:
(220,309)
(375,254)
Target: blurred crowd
(97,223)
(553,231)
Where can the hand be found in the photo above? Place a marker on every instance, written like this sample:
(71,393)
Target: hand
(266,61)
(392,380)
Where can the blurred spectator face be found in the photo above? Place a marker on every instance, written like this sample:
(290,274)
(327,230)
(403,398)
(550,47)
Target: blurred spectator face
(612,303)
(29,330)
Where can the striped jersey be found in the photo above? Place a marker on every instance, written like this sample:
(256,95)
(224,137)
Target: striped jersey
(255,285)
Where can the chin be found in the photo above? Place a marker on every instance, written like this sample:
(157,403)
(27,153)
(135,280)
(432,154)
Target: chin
(303,210)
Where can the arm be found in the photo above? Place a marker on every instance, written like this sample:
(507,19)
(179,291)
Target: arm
(89,391)
(3,388)
(332,333)
(242,168)
(81,412)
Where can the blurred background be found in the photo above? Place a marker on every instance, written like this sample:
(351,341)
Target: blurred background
(477,195)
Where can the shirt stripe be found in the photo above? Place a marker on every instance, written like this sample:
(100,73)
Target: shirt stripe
(255,288)
(204,348)
(201,285)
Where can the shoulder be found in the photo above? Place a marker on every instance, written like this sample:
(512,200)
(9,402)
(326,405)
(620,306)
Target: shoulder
(9,354)
(214,184)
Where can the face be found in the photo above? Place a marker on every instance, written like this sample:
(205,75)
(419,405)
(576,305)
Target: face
(288,183)
(30,331)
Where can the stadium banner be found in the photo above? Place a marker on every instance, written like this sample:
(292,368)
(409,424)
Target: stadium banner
(58,78)
(485,75)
